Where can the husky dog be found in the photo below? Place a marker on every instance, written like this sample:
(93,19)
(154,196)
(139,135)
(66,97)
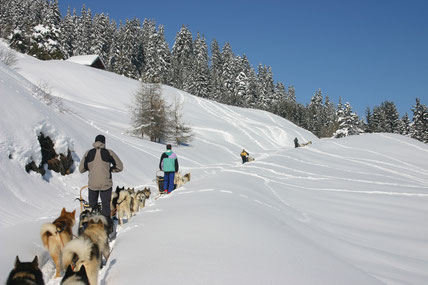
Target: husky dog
(140,199)
(75,278)
(250,159)
(88,250)
(57,234)
(115,197)
(123,206)
(180,179)
(132,203)
(89,216)
(26,273)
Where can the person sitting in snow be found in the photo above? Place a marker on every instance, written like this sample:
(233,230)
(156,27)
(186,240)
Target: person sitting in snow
(244,156)
(169,165)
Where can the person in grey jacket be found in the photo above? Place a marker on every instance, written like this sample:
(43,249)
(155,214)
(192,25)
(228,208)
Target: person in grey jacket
(100,162)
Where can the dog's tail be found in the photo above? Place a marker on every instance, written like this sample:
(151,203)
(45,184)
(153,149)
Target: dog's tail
(76,250)
(47,230)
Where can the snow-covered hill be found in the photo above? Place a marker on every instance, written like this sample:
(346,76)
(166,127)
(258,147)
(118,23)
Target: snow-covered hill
(339,211)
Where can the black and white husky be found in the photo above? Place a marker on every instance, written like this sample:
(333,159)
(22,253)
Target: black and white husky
(75,278)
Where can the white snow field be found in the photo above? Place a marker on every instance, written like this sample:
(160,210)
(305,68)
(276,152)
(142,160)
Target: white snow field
(339,211)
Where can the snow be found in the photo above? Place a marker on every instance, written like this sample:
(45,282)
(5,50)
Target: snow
(339,211)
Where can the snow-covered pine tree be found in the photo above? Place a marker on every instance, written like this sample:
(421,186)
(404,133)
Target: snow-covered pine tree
(157,57)
(280,99)
(329,118)
(199,80)
(315,114)
(405,125)
(103,37)
(164,56)
(45,39)
(23,16)
(150,72)
(392,118)
(265,87)
(419,127)
(129,51)
(215,72)
(227,77)
(67,37)
(348,121)
(84,32)
(377,123)
(252,88)
(241,89)
(114,52)
(182,59)
(369,117)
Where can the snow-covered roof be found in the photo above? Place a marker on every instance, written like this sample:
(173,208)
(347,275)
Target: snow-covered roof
(88,60)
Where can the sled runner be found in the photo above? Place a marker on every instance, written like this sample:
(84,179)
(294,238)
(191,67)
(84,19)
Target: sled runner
(83,203)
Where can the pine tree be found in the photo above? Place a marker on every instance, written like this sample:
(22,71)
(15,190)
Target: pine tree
(227,77)
(419,128)
(405,125)
(349,123)
(45,39)
(164,56)
(216,71)
(392,118)
(265,87)
(199,80)
(68,37)
(182,59)
(128,57)
(84,32)
(329,126)
(103,37)
(369,124)
(315,111)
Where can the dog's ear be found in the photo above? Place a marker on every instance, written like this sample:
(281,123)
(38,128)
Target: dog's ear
(35,263)
(74,213)
(17,262)
(63,211)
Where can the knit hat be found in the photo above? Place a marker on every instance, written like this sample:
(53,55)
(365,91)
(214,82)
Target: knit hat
(168,146)
(100,138)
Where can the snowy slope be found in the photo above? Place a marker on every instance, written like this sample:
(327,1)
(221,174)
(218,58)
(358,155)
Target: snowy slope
(348,211)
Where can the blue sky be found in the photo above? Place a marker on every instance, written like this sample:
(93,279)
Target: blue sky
(365,51)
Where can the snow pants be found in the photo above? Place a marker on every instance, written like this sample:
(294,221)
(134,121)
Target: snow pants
(168,181)
(105,200)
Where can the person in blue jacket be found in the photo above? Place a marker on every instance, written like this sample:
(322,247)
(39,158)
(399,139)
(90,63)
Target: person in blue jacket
(169,165)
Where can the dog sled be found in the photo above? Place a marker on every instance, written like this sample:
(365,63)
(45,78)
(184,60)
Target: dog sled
(84,205)
(306,143)
(159,180)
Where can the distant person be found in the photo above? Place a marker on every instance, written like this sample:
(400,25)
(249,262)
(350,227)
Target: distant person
(100,162)
(296,142)
(244,156)
(169,165)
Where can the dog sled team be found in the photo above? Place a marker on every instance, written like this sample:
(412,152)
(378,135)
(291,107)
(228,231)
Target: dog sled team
(82,256)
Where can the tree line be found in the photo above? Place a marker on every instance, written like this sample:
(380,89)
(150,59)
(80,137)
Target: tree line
(139,50)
